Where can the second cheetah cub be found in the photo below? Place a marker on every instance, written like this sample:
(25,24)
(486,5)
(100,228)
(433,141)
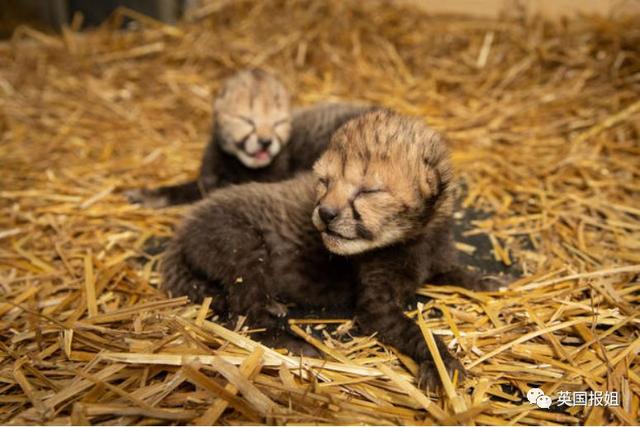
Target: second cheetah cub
(370,226)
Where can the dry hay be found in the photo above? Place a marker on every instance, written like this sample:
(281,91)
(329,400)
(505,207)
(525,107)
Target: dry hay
(544,119)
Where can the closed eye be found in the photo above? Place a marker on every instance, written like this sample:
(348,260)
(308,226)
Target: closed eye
(244,119)
(370,191)
(281,122)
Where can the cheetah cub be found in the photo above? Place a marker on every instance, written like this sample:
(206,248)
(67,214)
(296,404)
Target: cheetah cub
(365,230)
(256,137)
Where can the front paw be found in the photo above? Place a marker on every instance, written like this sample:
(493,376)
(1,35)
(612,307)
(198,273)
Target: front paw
(276,308)
(491,283)
(147,198)
(208,183)
(295,345)
(428,377)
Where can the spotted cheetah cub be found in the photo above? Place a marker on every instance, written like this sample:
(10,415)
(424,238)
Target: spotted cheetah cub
(256,137)
(365,230)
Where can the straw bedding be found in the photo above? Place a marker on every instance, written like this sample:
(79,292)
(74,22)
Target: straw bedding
(544,122)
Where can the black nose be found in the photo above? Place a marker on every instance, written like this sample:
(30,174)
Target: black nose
(326,214)
(264,143)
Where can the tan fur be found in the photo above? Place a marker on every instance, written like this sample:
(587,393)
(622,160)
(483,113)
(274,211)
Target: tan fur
(252,106)
(381,172)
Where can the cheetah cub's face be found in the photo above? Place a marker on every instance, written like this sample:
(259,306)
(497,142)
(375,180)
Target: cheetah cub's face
(253,114)
(383,180)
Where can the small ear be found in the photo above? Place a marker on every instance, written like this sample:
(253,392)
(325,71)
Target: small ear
(430,180)
(222,92)
(220,96)
(318,166)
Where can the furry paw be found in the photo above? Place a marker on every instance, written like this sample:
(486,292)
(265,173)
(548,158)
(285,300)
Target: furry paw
(147,198)
(295,345)
(428,377)
(298,347)
(220,306)
(493,283)
(155,245)
(276,308)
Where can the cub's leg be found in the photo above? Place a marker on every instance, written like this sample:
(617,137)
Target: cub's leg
(217,247)
(161,197)
(246,295)
(382,289)
(180,277)
(458,275)
(447,270)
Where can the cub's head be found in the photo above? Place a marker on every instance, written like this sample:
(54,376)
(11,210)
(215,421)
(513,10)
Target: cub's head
(253,117)
(383,180)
